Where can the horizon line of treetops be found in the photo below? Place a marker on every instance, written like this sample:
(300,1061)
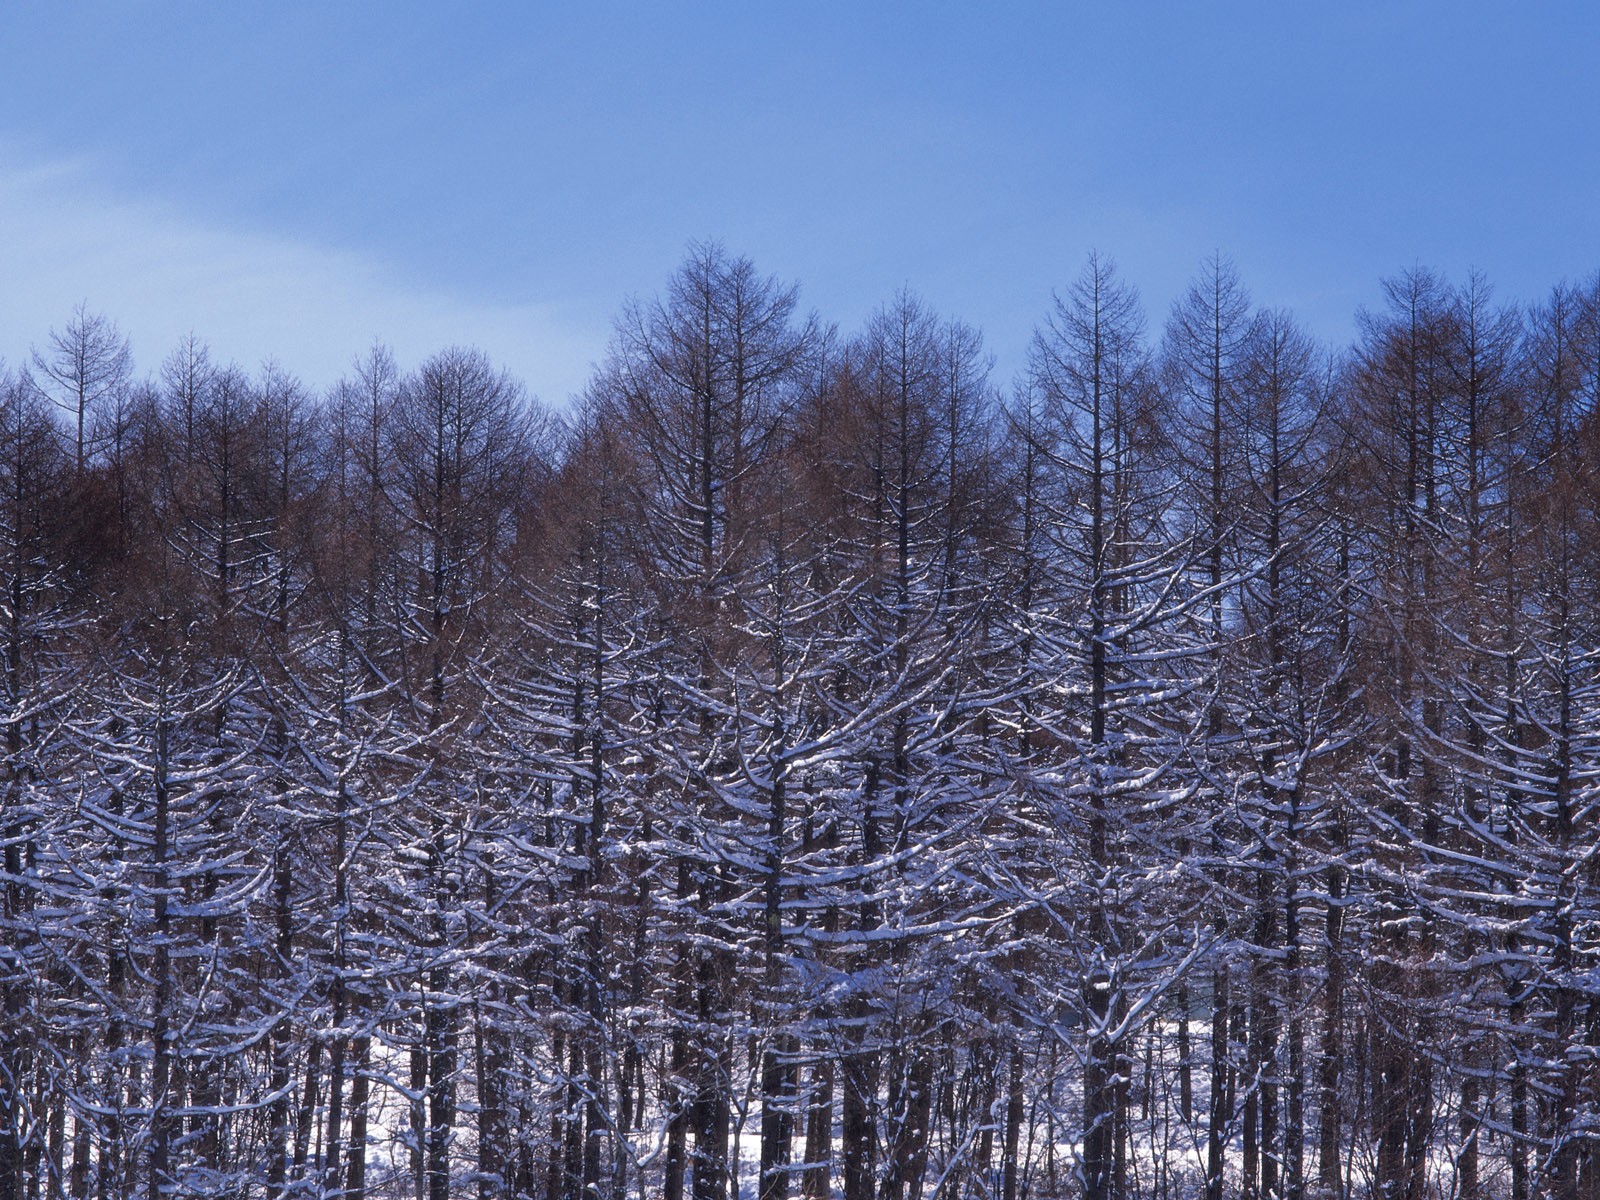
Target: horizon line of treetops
(799,770)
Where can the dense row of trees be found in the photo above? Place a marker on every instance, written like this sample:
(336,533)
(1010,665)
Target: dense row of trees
(799,771)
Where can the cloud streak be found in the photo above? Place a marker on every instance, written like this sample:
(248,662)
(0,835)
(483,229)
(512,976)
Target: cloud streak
(160,274)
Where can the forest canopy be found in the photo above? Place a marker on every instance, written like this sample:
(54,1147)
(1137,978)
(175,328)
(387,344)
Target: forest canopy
(802,768)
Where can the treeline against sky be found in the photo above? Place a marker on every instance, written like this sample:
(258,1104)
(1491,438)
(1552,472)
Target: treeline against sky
(802,770)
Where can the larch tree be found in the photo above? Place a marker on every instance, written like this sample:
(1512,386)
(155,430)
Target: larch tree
(83,367)
(1115,624)
(703,376)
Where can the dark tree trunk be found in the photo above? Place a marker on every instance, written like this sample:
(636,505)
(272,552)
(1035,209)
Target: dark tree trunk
(1220,1113)
(1010,1186)
(356,1177)
(857,1135)
(1328,1101)
(817,1182)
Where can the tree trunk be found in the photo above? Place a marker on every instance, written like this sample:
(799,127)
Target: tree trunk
(1220,1113)
(1010,1185)
(1099,1091)
(858,1139)
(1328,1108)
(817,1182)
(355,1187)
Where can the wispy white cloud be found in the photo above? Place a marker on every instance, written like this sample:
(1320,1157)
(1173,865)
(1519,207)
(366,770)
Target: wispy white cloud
(159,274)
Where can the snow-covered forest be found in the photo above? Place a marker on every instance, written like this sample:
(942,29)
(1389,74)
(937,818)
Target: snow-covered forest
(810,767)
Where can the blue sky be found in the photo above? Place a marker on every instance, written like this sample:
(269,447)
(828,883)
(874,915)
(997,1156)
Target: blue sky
(295,179)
